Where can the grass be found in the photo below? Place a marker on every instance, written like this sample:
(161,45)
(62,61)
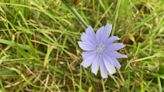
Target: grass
(39,50)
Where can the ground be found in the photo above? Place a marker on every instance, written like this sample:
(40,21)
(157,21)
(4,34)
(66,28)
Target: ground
(39,50)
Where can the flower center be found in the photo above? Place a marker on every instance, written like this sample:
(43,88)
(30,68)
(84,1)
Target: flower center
(100,49)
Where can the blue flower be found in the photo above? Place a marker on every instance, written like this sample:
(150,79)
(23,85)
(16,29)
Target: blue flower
(100,51)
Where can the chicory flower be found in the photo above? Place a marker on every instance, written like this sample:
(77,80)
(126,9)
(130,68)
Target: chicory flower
(100,51)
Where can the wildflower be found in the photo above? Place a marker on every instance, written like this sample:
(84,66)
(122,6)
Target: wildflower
(100,51)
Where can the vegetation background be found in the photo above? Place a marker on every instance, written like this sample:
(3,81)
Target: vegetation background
(39,50)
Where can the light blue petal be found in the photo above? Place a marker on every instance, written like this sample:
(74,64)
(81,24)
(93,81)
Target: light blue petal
(101,34)
(108,28)
(95,65)
(116,63)
(86,46)
(115,54)
(103,68)
(89,36)
(113,61)
(88,61)
(112,39)
(115,46)
(87,54)
(109,65)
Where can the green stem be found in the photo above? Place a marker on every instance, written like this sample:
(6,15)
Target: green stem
(116,15)
(75,13)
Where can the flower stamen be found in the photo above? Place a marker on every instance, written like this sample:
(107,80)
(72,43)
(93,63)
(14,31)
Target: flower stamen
(100,48)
